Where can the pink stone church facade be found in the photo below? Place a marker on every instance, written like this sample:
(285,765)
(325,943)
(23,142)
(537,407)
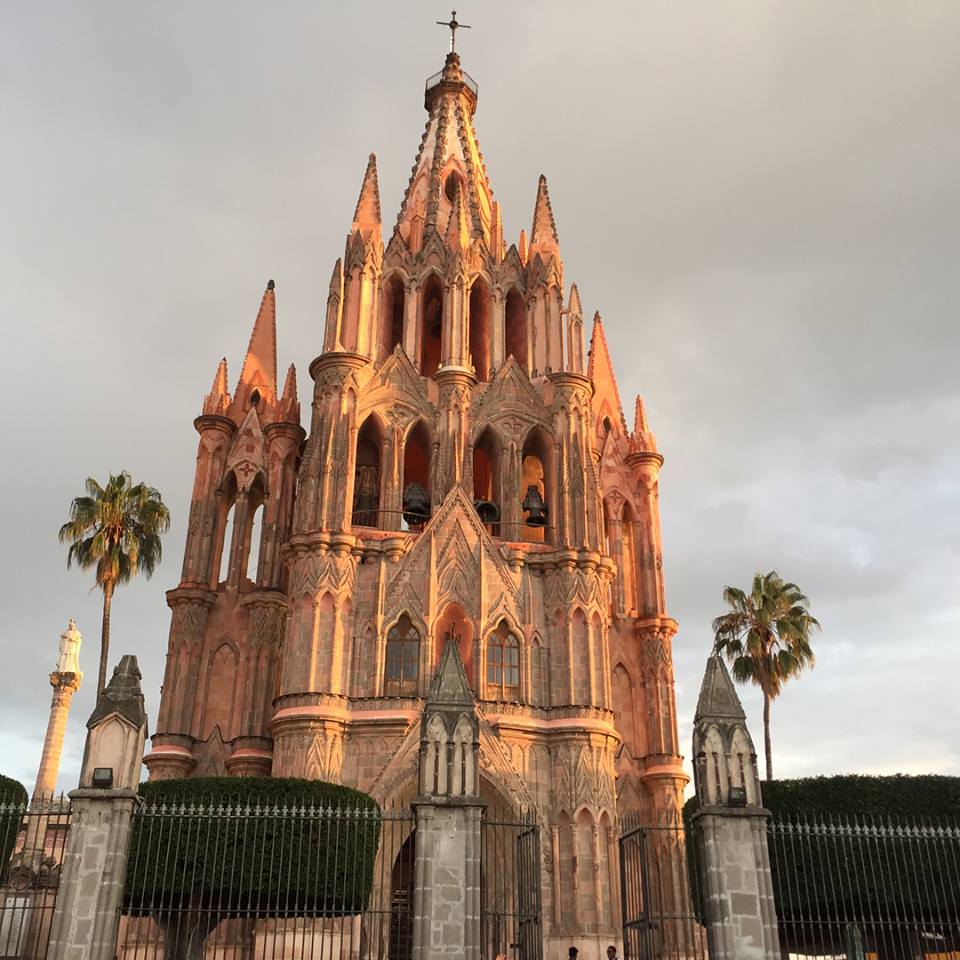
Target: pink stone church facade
(468,474)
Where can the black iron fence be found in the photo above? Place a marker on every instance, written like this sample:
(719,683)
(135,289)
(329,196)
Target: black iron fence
(867,887)
(660,892)
(32,845)
(254,882)
(510,917)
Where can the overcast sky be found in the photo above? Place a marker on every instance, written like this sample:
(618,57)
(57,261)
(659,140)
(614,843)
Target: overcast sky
(762,199)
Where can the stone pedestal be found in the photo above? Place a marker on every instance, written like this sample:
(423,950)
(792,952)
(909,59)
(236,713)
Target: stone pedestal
(446,924)
(447,877)
(95,862)
(92,876)
(731,823)
(737,885)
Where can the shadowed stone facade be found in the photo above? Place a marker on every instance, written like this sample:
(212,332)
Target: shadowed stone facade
(323,569)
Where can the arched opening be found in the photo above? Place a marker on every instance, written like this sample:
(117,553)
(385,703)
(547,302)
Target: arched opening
(367,474)
(486,478)
(480,329)
(454,626)
(391,320)
(416,474)
(536,476)
(515,328)
(402,668)
(628,560)
(503,664)
(401,901)
(431,326)
(227,496)
(253,542)
(451,185)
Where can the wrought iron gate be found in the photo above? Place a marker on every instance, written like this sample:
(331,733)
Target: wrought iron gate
(510,913)
(659,893)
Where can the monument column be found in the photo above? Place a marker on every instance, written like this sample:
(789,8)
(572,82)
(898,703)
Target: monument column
(65,681)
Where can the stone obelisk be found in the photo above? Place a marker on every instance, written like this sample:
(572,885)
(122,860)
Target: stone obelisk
(65,681)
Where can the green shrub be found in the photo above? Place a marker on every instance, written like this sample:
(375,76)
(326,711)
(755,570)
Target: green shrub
(13,801)
(222,846)
(853,848)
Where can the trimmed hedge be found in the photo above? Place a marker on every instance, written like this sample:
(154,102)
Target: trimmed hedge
(204,846)
(861,848)
(12,793)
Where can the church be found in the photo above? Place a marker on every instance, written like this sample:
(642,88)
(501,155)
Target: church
(468,477)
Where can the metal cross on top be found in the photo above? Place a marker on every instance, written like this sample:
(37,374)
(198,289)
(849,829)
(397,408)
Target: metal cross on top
(453,25)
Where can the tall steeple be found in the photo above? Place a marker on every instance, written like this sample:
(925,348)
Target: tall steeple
(260,364)
(449,156)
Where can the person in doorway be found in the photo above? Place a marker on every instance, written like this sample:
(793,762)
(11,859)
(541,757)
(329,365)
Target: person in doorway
(612,953)
(572,953)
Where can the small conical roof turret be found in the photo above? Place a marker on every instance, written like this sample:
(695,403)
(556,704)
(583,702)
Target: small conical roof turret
(217,400)
(366,217)
(606,394)
(718,698)
(543,233)
(573,306)
(643,440)
(260,364)
(289,406)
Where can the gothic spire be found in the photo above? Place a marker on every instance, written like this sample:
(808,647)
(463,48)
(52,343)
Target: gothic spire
(366,217)
(449,156)
(543,233)
(573,306)
(260,364)
(600,371)
(218,399)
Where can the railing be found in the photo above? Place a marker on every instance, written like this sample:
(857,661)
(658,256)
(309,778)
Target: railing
(32,845)
(660,892)
(867,887)
(510,919)
(437,79)
(254,882)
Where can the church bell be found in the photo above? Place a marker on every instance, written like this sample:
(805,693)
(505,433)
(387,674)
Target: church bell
(536,509)
(416,504)
(488,511)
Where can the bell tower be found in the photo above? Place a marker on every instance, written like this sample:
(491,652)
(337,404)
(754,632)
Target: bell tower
(468,473)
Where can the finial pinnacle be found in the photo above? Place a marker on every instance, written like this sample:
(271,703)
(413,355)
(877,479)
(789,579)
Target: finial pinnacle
(270,285)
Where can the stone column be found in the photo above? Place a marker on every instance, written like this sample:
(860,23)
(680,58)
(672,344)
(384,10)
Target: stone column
(95,861)
(732,827)
(448,809)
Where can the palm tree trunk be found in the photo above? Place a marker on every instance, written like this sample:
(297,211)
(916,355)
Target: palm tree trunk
(105,637)
(766,736)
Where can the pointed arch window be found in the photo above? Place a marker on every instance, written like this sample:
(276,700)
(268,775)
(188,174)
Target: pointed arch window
(403,660)
(503,664)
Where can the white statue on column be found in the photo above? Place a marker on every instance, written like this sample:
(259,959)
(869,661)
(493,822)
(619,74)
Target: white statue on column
(69,659)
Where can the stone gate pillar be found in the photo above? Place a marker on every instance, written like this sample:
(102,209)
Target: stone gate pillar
(95,861)
(448,809)
(732,826)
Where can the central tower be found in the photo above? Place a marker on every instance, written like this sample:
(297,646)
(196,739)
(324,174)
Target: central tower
(468,473)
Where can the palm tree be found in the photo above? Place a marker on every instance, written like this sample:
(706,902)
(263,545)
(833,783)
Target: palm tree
(115,528)
(766,639)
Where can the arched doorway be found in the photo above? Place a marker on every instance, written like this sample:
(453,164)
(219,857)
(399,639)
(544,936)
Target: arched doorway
(400,942)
